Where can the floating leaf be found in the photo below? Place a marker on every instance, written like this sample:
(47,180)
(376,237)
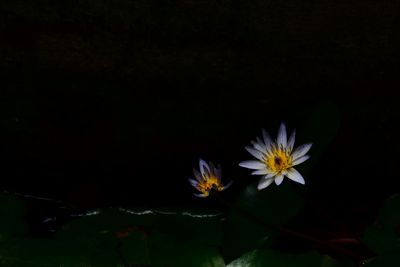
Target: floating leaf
(387,260)
(321,128)
(198,227)
(188,238)
(276,206)
(384,235)
(170,251)
(135,248)
(43,252)
(260,258)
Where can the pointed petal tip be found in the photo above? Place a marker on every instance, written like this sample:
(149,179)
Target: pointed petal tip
(300,160)
(264,183)
(282,135)
(227,185)
(252,164)
(279,179)
(200,195)
(254,152)
(301,151)
(261,172)
(295,176)
(203,166)
(193,182)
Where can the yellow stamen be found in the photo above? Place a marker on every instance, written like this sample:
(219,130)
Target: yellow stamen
(211,182)
(278,160)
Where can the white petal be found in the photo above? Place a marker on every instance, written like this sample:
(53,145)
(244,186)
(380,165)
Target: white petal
(263,183)
(291,141)
(279,179)
(261,172)
(227,185)
(260,142)
(193,182)
(301,151)
(269,175)
(300,160)
(211,167)
(259,147)
(218,172)
(294,175)
(200,195)
(282,138)
(267,138)
(256,153)
(204,168)
(252,164)
(197,175)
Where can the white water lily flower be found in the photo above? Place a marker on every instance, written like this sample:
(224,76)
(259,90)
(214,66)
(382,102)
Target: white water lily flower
(209,178)
(276,159)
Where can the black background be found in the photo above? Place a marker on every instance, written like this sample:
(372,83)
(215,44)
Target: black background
(113,102)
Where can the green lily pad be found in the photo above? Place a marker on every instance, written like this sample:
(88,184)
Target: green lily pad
(167,251)
(260,258)
(321,128)
(387,260)
(135,248)
(41,252)
(133,236)
(384,235)
(275,206)
(198,227)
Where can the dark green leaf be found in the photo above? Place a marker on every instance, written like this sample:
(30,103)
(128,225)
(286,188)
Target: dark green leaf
(197,227)
(321,128)
(384,235)
(387,260)
(276,206)
(133,236)
(40,252)
(261,258)
(171,251)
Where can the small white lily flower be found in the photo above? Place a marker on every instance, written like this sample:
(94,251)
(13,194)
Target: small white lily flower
(209,178)
(276,159)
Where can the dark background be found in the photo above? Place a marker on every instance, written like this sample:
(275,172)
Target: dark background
(113,102)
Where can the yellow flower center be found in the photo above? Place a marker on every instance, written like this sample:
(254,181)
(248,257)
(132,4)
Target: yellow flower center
(209,183)
(278,160)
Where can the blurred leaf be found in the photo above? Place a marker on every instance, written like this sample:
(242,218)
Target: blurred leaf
(381,239)
(384,235)
(277,205)
(321,128)
(390,213)
(260,258)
